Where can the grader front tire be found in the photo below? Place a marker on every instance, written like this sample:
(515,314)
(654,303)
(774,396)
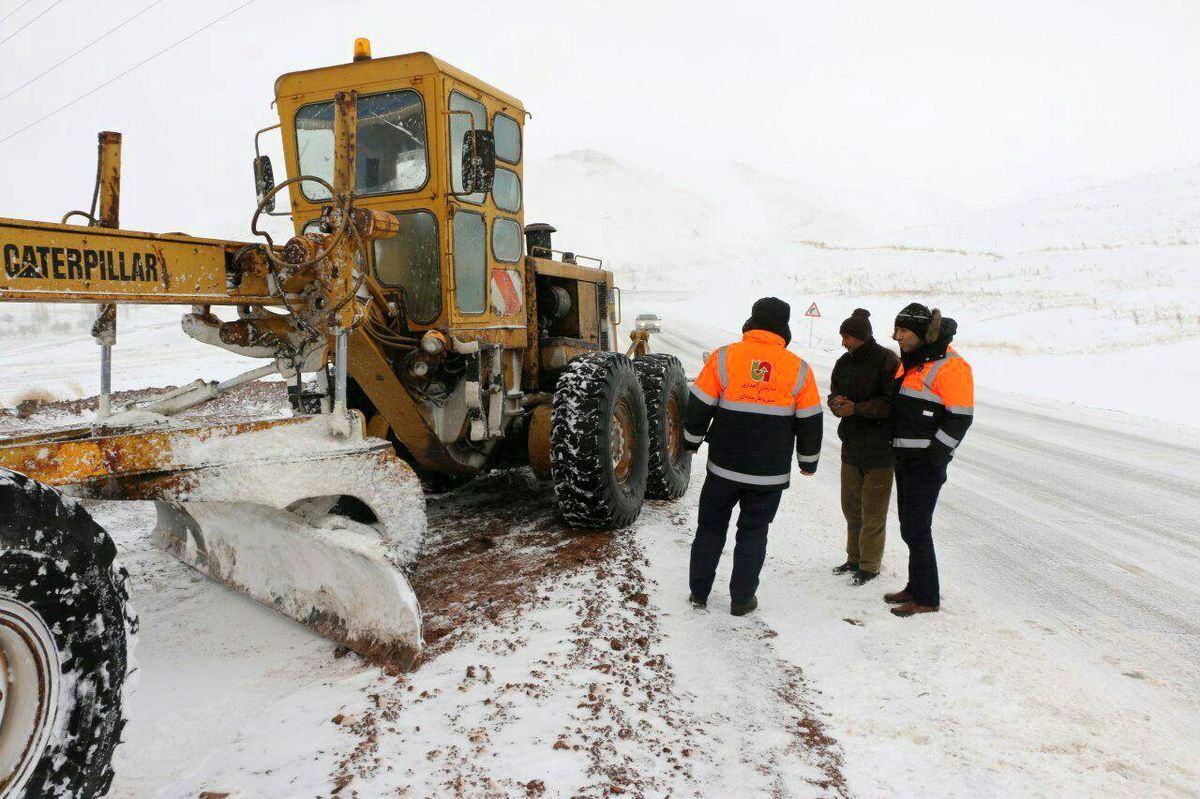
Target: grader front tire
(598,441)
(65,630)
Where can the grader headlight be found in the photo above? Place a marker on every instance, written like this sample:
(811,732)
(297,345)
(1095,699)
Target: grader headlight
(433,342)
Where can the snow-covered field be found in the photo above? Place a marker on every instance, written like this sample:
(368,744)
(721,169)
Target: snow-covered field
(1064,661)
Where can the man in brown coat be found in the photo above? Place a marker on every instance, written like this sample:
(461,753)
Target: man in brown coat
(860,393)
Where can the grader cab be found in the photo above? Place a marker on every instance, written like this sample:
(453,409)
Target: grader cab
(426,334)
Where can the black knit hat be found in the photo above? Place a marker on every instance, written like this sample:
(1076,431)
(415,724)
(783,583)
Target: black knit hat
(915,317)
(858,325)
(770,314)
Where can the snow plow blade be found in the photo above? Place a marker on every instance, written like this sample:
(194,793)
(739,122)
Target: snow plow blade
(283,543)
(318,526)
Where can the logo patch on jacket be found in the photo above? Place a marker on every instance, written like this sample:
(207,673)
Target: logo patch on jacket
(760,371)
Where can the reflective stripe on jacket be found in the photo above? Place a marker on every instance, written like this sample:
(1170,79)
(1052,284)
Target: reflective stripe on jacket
(933,407)
(757,406)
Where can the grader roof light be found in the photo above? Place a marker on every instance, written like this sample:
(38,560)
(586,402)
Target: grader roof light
(362,49)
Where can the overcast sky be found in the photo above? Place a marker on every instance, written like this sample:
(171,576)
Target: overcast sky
(980,102)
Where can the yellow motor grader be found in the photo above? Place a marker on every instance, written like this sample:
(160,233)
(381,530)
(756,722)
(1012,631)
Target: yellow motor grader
(425,333)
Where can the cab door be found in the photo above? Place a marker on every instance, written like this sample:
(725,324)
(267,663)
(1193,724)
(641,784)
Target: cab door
(486,241)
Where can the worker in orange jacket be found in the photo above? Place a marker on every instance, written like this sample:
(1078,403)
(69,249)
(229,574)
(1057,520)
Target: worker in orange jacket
(933,405)
(757,406)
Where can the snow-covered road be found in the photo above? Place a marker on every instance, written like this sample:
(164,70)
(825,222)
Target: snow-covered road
(1065,658)
(1094,517)
(1064,661)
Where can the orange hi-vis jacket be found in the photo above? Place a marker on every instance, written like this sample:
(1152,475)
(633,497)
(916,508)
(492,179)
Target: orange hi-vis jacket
(752,402)
(933,406)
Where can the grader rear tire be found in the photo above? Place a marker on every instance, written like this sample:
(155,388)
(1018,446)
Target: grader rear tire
(666,389)
(65,633)
(598,441)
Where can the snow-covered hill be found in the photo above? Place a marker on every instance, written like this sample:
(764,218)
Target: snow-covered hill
(644,227)
(1160,210)
(1052,296)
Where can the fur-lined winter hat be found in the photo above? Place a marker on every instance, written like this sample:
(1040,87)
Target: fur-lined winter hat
(858,325)
(925,323)
(770,314)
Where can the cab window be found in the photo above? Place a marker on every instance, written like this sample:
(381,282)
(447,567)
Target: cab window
(411,262)
(460,123)
(470,262)
(508,138)
(506,240)
(506,190)
(390,151)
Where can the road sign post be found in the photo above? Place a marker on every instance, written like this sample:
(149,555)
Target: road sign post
(812,313)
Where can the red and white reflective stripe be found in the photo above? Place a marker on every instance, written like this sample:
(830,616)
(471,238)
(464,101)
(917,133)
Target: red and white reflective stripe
(508,295)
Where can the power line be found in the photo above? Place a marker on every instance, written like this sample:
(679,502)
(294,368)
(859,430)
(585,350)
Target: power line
(115,78)
(80,50)
(15,10)
(30,22)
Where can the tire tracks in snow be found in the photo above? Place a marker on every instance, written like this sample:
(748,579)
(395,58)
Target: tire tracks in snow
(571,686)
(751,702)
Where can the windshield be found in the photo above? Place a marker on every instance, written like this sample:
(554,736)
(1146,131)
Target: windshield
(390,153)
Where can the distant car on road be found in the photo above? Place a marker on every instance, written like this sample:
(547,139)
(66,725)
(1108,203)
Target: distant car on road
(648,321)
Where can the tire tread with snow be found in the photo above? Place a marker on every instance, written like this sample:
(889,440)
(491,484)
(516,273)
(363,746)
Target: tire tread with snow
(55,559)
(581,467)
(662,376)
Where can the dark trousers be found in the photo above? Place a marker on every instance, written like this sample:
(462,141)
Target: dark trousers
(918,483)
(717,499)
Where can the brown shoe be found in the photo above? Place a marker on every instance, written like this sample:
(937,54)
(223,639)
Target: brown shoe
(898,598)
(912,609)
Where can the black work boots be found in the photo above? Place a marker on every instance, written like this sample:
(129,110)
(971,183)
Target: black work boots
(862,578)
(743,608)
(735,608)
(845,567)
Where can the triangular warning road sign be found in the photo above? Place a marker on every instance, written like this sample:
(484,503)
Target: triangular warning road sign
(813,311)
